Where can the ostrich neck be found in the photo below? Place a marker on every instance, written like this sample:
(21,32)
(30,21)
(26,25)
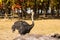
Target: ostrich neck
(32,16)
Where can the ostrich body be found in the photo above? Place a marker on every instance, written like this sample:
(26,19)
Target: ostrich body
(22,26)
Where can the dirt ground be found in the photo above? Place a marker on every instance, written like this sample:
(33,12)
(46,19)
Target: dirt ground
(43,27)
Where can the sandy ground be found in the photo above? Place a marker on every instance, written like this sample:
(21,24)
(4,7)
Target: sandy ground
(43,27)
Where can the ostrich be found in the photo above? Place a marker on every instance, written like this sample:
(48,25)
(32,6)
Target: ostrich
(22,26)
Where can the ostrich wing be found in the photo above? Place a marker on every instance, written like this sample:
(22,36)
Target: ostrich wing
(18,24)
(21,23)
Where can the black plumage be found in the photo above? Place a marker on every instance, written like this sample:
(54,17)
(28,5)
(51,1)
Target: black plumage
(22,27)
